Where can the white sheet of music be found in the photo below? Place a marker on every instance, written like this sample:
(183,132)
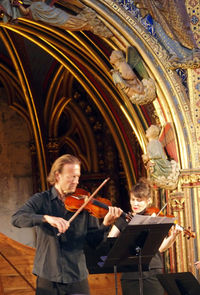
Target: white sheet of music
(146,219)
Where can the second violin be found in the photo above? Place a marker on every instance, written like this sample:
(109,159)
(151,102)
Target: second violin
(153,211)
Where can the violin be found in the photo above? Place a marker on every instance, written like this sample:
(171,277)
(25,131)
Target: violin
(77,203)
(97,207)
(83,205)
(153,211)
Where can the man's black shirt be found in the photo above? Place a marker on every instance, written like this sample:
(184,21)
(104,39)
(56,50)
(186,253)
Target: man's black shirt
(59,258)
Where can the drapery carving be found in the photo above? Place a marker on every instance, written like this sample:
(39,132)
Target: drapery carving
(139,92)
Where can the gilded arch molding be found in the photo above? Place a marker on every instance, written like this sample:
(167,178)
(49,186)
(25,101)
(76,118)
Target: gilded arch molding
(30,104)
(97,96)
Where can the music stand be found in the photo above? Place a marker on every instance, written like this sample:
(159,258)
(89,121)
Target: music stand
(136,245)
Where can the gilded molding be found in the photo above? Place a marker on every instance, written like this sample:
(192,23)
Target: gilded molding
(30,104)
(189,178)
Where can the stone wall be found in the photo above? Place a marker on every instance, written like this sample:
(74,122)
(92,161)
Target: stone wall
(15,170)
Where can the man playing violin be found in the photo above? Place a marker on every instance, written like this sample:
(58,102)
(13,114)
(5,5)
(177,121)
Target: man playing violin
(59,262)
(140,200)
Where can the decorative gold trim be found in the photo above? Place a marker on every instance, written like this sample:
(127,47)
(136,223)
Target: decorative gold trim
(30,104)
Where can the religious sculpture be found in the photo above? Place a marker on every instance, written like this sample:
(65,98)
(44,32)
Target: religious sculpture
(163,173)
(39,10)
(172,26)
(139,92)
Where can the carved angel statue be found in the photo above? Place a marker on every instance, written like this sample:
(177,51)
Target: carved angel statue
(139,92)
(46,12)
(163,173)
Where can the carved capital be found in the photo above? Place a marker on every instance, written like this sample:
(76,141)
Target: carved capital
(177,201)
(53,145)
(32,147)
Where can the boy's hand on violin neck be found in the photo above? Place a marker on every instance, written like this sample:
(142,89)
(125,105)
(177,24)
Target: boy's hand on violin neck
(112,215)
(61,224)
(176,230)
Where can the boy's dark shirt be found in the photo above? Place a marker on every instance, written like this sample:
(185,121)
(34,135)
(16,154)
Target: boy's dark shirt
(155,266)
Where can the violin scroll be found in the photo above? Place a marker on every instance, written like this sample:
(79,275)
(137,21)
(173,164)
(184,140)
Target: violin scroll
(188,233)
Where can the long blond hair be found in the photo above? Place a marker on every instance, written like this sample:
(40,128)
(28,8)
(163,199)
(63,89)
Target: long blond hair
(58,166)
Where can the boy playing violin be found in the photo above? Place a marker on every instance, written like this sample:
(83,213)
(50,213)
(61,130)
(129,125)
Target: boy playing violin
(140,200)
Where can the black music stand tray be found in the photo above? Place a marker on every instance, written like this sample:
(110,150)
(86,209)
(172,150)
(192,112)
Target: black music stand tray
(180,283)
(134,248)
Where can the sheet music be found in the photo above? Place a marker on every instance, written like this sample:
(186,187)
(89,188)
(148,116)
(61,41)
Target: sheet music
(146,219)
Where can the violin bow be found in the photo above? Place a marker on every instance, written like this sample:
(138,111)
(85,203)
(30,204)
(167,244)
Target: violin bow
(161,209)
(88,200)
